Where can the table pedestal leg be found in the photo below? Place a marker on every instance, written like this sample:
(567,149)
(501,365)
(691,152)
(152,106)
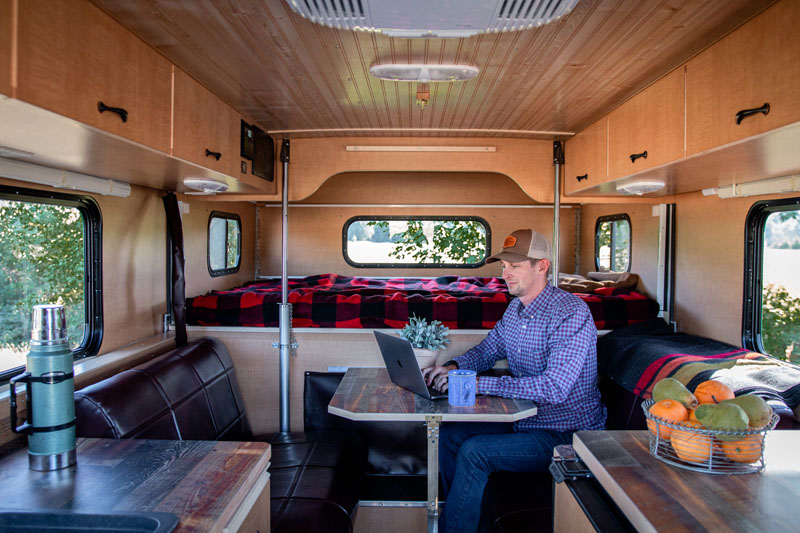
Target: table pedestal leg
(432,422)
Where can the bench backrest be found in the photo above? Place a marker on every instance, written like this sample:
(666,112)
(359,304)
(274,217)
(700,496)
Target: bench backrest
(189,393)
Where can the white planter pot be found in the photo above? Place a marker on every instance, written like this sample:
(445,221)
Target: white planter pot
(425,357)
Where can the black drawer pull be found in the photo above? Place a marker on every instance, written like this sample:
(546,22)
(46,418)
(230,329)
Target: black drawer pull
(581,178)
(216,155)
(634,157)
(123,114)
(744,113)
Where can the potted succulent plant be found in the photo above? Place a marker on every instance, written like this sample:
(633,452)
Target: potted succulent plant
(426,338)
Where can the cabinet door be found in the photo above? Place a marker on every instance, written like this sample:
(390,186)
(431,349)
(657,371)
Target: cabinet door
(585,157)
(207,130)
(651,122)
(5,47)
(757,64)
(72,56)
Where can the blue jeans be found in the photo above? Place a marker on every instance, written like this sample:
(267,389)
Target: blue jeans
(470,451)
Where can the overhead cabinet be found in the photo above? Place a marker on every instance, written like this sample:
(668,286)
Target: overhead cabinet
(747,83)
(586,158)
(207,130)
(5,47)
(76,61)
(647,130)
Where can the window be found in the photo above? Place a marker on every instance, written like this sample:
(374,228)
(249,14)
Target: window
(772,286)
(224,243)
(51,253)
(612,243)
(410,242)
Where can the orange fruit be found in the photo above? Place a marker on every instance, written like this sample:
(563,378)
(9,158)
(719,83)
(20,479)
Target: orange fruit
(692,417)
(691,446)
(746,450)
(713,392)
(669,410)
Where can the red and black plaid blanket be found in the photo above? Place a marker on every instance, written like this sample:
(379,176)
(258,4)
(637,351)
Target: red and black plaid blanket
(332,301)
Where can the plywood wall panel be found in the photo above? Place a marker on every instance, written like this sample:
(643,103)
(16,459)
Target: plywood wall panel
(315,237)
(644,241)
(195,230)
(6,46)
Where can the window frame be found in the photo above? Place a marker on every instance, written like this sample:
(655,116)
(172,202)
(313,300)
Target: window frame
(358,218)
(612,218)
(92,260)
(752,303)
(227,270)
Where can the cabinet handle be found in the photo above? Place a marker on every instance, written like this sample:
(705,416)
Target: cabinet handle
(744,113)
(634,157)
(581,178)
(216,155)
(123,114)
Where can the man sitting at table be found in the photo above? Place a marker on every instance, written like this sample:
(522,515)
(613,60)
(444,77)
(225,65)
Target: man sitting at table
(549,338)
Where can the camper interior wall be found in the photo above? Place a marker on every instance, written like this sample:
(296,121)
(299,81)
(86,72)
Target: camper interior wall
(709,264)
(644,240)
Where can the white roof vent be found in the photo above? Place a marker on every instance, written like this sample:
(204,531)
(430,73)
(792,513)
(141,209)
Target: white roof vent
(426,18)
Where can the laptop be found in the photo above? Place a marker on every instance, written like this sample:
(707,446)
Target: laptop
(398,355)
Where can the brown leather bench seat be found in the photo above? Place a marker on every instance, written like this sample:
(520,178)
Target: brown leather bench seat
(191,393)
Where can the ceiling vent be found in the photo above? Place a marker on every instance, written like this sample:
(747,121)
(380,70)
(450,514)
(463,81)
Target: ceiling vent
(425,18)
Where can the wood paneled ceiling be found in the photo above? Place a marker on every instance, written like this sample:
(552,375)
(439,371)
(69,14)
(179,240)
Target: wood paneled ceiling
(287,73)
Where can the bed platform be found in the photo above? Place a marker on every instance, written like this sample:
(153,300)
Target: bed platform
(334,301)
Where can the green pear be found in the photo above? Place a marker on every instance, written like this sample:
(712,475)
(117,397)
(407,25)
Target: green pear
(758,410)
(723,416)
(672,389)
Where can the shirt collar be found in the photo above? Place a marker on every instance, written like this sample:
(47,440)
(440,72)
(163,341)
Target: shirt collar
(539,303)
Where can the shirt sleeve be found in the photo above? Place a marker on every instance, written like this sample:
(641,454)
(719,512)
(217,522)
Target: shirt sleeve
(568,347)
(487,353)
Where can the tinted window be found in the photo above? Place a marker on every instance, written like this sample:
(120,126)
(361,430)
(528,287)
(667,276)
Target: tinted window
(50,254)
(224,243)
(445,242)
(772,299)
(612,243)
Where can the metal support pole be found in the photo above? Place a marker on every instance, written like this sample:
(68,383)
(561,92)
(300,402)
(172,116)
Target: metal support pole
(432,422)
(558,160)
(285,316)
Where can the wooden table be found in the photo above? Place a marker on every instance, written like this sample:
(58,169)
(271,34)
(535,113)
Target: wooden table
(656,496)
(369,394)
(209,485)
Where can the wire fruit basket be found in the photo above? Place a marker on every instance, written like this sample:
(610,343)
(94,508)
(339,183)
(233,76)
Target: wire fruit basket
(710,451)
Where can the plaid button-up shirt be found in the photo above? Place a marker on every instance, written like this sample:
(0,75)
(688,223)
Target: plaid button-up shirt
(551,347)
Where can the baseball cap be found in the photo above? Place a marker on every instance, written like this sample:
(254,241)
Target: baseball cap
(521,245)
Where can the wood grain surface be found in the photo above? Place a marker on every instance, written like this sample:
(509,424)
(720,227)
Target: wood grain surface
(656,496)
(202,482)
(369,394)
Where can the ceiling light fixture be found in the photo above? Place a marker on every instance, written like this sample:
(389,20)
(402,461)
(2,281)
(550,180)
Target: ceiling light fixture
(423,73)
(426,19)
(640,187)
(205,186)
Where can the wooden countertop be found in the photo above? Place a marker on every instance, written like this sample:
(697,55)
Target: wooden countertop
(369,394)
(656,496)
(202,482)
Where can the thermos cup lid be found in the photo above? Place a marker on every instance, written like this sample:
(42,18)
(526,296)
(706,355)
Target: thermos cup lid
(49,324)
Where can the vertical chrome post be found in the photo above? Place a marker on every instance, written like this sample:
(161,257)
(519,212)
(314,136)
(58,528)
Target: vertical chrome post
(558,160)
(285,316)
(432,422)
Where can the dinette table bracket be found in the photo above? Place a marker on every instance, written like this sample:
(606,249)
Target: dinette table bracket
(432,423)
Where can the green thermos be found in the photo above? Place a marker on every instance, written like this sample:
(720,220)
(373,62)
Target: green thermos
(50,391)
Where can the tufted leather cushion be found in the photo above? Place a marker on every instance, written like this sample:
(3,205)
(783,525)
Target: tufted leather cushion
(189,393)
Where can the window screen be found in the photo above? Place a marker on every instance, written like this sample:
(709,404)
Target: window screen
(224,243)
(612,243)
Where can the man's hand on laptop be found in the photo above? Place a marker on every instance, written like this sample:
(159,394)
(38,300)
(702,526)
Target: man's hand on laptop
(436,376)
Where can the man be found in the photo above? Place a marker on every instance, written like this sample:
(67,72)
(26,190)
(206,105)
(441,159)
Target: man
(549,338)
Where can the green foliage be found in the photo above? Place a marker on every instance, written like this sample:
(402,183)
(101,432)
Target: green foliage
(420,334)
(42,262)
(780,323)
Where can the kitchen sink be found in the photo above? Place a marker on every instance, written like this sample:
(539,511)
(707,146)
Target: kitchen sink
(64,521)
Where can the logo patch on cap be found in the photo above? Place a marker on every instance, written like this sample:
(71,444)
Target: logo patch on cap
(510,241)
